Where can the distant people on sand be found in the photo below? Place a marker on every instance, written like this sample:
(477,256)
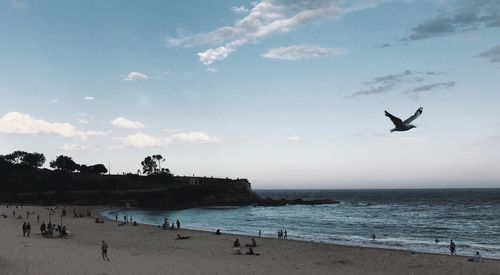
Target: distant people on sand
(178,224)
(453,248)
(260,233)
(286,235)
(252,244)
(373,236)
(236,243)
(217,232)
(104,251)
(43,229)
(28,229)
(38,218)
(179,237)
(24,229)
(477,258)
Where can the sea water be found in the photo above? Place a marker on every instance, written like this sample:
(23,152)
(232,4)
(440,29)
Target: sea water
(400,219)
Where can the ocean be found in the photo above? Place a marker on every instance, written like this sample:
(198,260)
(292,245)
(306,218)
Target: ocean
(407,219)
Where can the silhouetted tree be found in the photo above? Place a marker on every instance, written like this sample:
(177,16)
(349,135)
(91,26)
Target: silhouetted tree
(148,166)
(34,160)
(151,165)
(98,169)
(64,163)
(158,158)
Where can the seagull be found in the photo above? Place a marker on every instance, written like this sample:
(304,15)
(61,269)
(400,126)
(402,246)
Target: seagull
(404,125)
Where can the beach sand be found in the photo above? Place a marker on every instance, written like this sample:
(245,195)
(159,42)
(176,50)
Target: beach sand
(149,250)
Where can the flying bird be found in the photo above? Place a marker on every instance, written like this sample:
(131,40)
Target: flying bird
(404,125)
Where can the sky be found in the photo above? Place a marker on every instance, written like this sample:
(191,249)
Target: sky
(286,93)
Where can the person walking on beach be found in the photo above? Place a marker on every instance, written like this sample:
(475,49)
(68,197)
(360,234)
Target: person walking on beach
(28,229)
(178,224)
(38,218)
(24,229)
(286,235)
(260,233)
(453,248)
(104,251)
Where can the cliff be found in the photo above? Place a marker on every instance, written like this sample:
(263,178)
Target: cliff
(159,191)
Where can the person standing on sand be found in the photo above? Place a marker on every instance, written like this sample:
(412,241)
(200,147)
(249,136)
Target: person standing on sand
(24,229)
(260,233)
(453,248)
(38,218)
(104,251)
(28,229)
(286,235)
(178,224)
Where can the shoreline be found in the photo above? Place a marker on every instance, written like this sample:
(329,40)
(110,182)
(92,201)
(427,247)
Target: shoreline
(249,235)
(146,249)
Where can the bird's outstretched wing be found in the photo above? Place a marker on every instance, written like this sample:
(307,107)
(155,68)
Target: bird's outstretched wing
(396,120)
(413,117)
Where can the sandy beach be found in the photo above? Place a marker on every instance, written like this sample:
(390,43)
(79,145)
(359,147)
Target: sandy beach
(149,250)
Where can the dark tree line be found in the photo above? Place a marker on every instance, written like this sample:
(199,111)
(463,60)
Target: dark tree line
(25,160)
(67,164)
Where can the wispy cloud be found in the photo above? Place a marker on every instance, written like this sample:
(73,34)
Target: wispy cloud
(297,52)
(97,133)
(74,147)
(470,15)
(194,137)
(434,86)
(141,140)
(121,122)
(404,80)
(293,139)
(136,76)
(493,54)
(54,100)
(24,124)
(211,70)
(89,98)
(266,18)
(239,10)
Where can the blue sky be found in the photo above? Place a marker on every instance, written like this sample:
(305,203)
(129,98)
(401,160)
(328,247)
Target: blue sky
(289,94)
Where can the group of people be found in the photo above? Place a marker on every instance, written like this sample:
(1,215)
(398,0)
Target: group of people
(251,245)
(166,225)
(282,234)
(48,230)
(26,229)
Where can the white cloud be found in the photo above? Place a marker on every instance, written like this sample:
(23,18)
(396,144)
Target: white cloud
(239,10)
(209,56)
(211,70)
(55,100)
(266,18)
(136,76)
(89,98)
(121,122)
(141,140)
(294,139)
(297,52)
(170,131)
(97,133)
(195,137)
(24,124)
(74,147)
